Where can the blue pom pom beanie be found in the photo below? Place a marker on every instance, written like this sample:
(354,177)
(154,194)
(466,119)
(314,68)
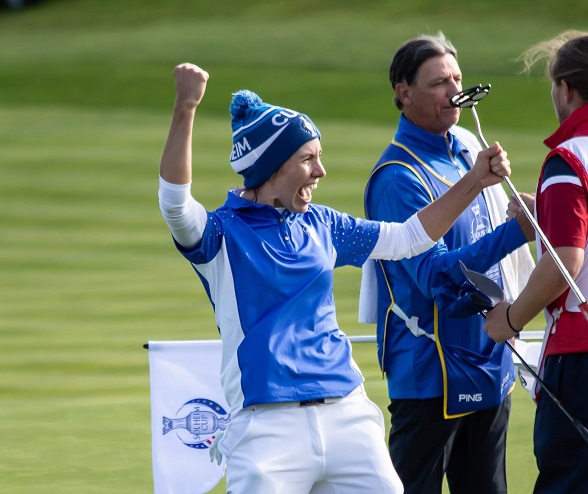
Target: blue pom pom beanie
(265,136)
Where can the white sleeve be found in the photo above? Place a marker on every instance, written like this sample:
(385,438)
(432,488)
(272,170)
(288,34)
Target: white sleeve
(185,216)
(401,240)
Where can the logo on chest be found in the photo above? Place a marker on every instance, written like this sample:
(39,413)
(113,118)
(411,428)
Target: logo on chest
(311,232)
(480,225)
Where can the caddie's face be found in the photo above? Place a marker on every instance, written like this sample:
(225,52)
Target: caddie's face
(293,183)
(426,100)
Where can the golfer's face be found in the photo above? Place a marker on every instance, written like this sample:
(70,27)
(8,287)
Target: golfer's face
(427,103)
(296,179)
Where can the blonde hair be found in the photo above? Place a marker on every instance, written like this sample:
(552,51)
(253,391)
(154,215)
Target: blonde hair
(566,57)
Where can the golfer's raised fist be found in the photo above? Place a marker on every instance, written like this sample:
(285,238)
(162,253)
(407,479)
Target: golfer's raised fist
(190,84)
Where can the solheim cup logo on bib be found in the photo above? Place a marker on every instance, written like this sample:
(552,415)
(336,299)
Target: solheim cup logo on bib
(197,422)
(480,224)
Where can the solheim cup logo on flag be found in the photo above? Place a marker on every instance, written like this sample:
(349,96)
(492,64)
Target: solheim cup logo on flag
(196,423)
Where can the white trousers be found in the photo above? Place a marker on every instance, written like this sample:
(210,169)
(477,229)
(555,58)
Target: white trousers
(336,448)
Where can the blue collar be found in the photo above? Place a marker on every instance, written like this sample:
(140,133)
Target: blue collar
(254,209)
(416,137)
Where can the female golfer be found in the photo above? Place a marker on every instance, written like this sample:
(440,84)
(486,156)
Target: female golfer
(300,419)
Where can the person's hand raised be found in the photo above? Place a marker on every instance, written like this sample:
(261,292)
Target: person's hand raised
(190,84)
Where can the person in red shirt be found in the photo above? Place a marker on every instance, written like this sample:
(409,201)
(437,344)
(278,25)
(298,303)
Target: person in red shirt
(561,210)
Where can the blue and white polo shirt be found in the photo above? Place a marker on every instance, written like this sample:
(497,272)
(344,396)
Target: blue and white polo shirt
(269,277)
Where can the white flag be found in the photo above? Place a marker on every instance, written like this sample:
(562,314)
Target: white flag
(188,410)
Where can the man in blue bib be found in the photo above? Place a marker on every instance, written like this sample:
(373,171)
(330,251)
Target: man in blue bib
(448,383)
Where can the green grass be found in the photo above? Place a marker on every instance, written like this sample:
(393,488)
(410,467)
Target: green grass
(88,269)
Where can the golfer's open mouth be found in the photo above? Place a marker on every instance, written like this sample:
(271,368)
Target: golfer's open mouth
(306,191)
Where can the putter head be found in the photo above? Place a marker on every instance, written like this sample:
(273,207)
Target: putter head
(483,284)
(470,96)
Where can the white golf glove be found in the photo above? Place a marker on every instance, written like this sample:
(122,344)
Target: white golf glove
(214,452)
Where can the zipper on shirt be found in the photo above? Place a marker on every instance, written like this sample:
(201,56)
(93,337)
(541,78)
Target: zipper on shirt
(453,160)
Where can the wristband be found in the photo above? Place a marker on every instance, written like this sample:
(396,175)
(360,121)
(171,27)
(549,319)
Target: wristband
(517,331)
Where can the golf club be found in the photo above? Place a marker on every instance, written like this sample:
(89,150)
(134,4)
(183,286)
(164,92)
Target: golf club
(469,98)
(493,292)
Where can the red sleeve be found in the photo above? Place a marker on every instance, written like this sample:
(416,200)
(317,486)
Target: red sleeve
(563,212)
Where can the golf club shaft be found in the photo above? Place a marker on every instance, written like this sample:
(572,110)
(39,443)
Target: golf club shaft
(579,426)
(534,374)
(565,273)
(538,379)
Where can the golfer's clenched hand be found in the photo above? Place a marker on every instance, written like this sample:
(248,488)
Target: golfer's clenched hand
(492,165)
(190,84)
(176,160)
